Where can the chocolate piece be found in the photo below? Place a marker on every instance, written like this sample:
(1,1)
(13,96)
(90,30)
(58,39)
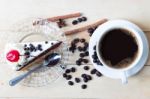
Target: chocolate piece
(93,71)
(86,68)
(70,83)
(98,74)
(67,71)
(74,22)
(73,69)
(84,18)
(77,80)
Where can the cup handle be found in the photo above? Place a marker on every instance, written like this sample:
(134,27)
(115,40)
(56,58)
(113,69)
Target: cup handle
(124,78)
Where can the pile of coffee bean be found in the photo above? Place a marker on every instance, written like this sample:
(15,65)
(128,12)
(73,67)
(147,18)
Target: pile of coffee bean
(95,57)
(83,79)
(88,72)
(82,49)
(79,20)
(61,23)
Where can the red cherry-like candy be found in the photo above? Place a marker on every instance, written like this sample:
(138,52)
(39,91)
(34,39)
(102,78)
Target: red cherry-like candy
(13,56)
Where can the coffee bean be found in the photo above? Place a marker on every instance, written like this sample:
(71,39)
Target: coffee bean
(86,44)
(27,53)
(86,53)
(80,19)
(78,62)
(67,71)
(94,48)
(25,48)
(99,63)
(84,86)
(95,61)
(93,71)
(77,80)
(73,69)
(90,30)
(82,55)
(76,40)
(46,42)
(82,40)
(70,83)
(83,75)
(80,48)
(85,80)
(98,74)
(86,68)
(74,22)
(89,77)
(64,75)
(68,77)
(94,57)
(84,18)
(85,60)
(25,45)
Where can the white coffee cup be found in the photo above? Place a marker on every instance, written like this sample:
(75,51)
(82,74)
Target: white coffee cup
(120,24)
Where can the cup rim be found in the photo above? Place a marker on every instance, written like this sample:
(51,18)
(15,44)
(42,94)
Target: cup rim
(120,24)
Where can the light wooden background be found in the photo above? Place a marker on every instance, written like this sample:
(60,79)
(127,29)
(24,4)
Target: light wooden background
(136,11)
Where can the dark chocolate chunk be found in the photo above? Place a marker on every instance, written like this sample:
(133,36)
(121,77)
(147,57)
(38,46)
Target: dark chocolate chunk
(70,83)
(76,40)
(84,86)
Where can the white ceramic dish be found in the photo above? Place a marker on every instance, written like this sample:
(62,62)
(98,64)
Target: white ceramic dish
(110,72)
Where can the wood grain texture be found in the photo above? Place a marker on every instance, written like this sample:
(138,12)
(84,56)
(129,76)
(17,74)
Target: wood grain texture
(136,11)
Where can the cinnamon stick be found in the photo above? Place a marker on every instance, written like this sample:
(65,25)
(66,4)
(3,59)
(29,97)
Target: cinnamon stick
(85,27)
(53,19)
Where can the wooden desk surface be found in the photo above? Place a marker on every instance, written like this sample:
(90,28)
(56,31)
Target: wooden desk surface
(136,11)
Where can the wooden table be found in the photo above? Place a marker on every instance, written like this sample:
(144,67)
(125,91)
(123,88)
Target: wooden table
(136,11)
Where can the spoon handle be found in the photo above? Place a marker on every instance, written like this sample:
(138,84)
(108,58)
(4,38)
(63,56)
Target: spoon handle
(19,78)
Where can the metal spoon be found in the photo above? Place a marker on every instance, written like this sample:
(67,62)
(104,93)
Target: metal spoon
(50,61)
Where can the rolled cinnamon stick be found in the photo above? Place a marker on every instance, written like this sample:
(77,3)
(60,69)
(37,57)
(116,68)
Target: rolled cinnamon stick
(85,27)
(53,19)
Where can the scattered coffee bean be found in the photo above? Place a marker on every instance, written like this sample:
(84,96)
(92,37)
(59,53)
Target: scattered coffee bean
(70,83)
(94,48)
(27,53)
(99,63)
(80,19)
(80,48)
(83,75)
(89,77)
(76,40)
(86,44)
(46,42)
(82,54)
(82,40)
(86,68)
(86,53)
(25,45)
(90,30)
(74,22)
(73,69)
(68,77)
(77,80)
(85,60)
(85,80)
(84,86)
(84,18)
(98,74)
(78,62)
(67,71)
(25,48)
(64,75)
(93,71)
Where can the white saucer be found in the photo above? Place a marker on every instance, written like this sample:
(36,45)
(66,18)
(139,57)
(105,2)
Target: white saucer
(114,74)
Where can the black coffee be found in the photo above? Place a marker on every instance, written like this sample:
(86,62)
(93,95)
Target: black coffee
(118,48)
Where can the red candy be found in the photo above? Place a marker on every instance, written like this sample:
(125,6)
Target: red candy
(13,56)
